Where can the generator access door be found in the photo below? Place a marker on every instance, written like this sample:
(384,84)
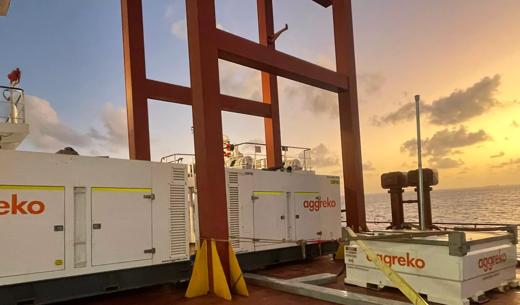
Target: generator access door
(32,233)
(307,207)
(270,219)
(121,225)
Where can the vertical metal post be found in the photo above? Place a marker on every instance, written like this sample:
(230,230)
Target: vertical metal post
(270,86)
(207,124)
(349,116)
(420,187)
(135,79)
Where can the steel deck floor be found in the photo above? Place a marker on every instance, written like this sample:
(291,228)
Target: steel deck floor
(166,295)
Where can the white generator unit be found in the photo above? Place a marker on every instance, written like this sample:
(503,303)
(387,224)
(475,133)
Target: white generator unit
(277,216)
(269,210)
(75,226)
(66,216)
(449,269)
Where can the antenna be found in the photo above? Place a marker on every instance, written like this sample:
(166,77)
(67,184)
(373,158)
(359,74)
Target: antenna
(420,187)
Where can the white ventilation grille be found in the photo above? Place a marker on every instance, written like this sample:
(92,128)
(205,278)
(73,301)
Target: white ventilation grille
(178,221)
(179,174)
(233,178)
(234,217)
(234,210)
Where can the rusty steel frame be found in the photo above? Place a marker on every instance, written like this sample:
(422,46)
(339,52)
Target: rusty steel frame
(349,116)
(273,140)
(206,45)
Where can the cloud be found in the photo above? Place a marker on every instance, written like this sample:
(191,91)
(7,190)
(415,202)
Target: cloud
(460,106)
(243,82)
(405,113)
(500,154)
(169,11)
(322,102)
(313,100)
(370,83)
(323,157)
(464,171)
(511,162)
(445,162)
(49,133)
(239,81)
(115,124)
(444,142)
(367,166)
(179,28)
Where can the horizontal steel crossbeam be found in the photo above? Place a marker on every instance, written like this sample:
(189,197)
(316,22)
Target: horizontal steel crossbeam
(245,52)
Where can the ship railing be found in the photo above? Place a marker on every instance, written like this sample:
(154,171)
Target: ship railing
(451,225)
(445,225)
(179,158)
(258,151)
(12,105)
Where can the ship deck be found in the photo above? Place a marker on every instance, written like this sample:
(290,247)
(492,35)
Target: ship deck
(167,295)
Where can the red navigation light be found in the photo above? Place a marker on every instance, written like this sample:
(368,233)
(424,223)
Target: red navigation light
(14,76)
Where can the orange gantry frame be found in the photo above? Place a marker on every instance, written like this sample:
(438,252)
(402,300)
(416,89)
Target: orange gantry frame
(206,45)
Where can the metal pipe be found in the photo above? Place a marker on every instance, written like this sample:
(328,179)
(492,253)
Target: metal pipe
(420,187)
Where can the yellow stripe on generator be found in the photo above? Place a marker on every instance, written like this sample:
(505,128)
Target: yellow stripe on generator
(32,187)
(122,189)
(268,193)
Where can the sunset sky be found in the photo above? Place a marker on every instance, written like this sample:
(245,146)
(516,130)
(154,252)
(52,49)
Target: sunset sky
(462,57)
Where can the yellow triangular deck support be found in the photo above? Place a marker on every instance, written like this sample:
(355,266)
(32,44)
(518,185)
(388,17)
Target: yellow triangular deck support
(199,282)
(340,253)
(220,285)
(238,284)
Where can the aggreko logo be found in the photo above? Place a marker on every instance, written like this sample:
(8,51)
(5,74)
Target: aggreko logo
(315,205)
(23,207)
(487,263)
(405,261)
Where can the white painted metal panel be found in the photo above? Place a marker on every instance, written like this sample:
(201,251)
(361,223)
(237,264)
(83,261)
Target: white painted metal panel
(307,206)
(32,238)
(330,215)
(121,225)
(270,218)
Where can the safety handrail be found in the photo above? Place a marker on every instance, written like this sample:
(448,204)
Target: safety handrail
(305,151)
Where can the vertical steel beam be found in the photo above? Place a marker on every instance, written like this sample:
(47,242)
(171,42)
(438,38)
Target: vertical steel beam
(349,116)
(135,79)
(207,123)
(270,86)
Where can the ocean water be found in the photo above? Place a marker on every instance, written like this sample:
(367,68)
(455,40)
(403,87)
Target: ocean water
(496,204)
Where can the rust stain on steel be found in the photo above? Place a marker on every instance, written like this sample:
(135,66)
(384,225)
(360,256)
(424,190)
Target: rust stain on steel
(270,87)
(207,124)
(349,116)
(135,77)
